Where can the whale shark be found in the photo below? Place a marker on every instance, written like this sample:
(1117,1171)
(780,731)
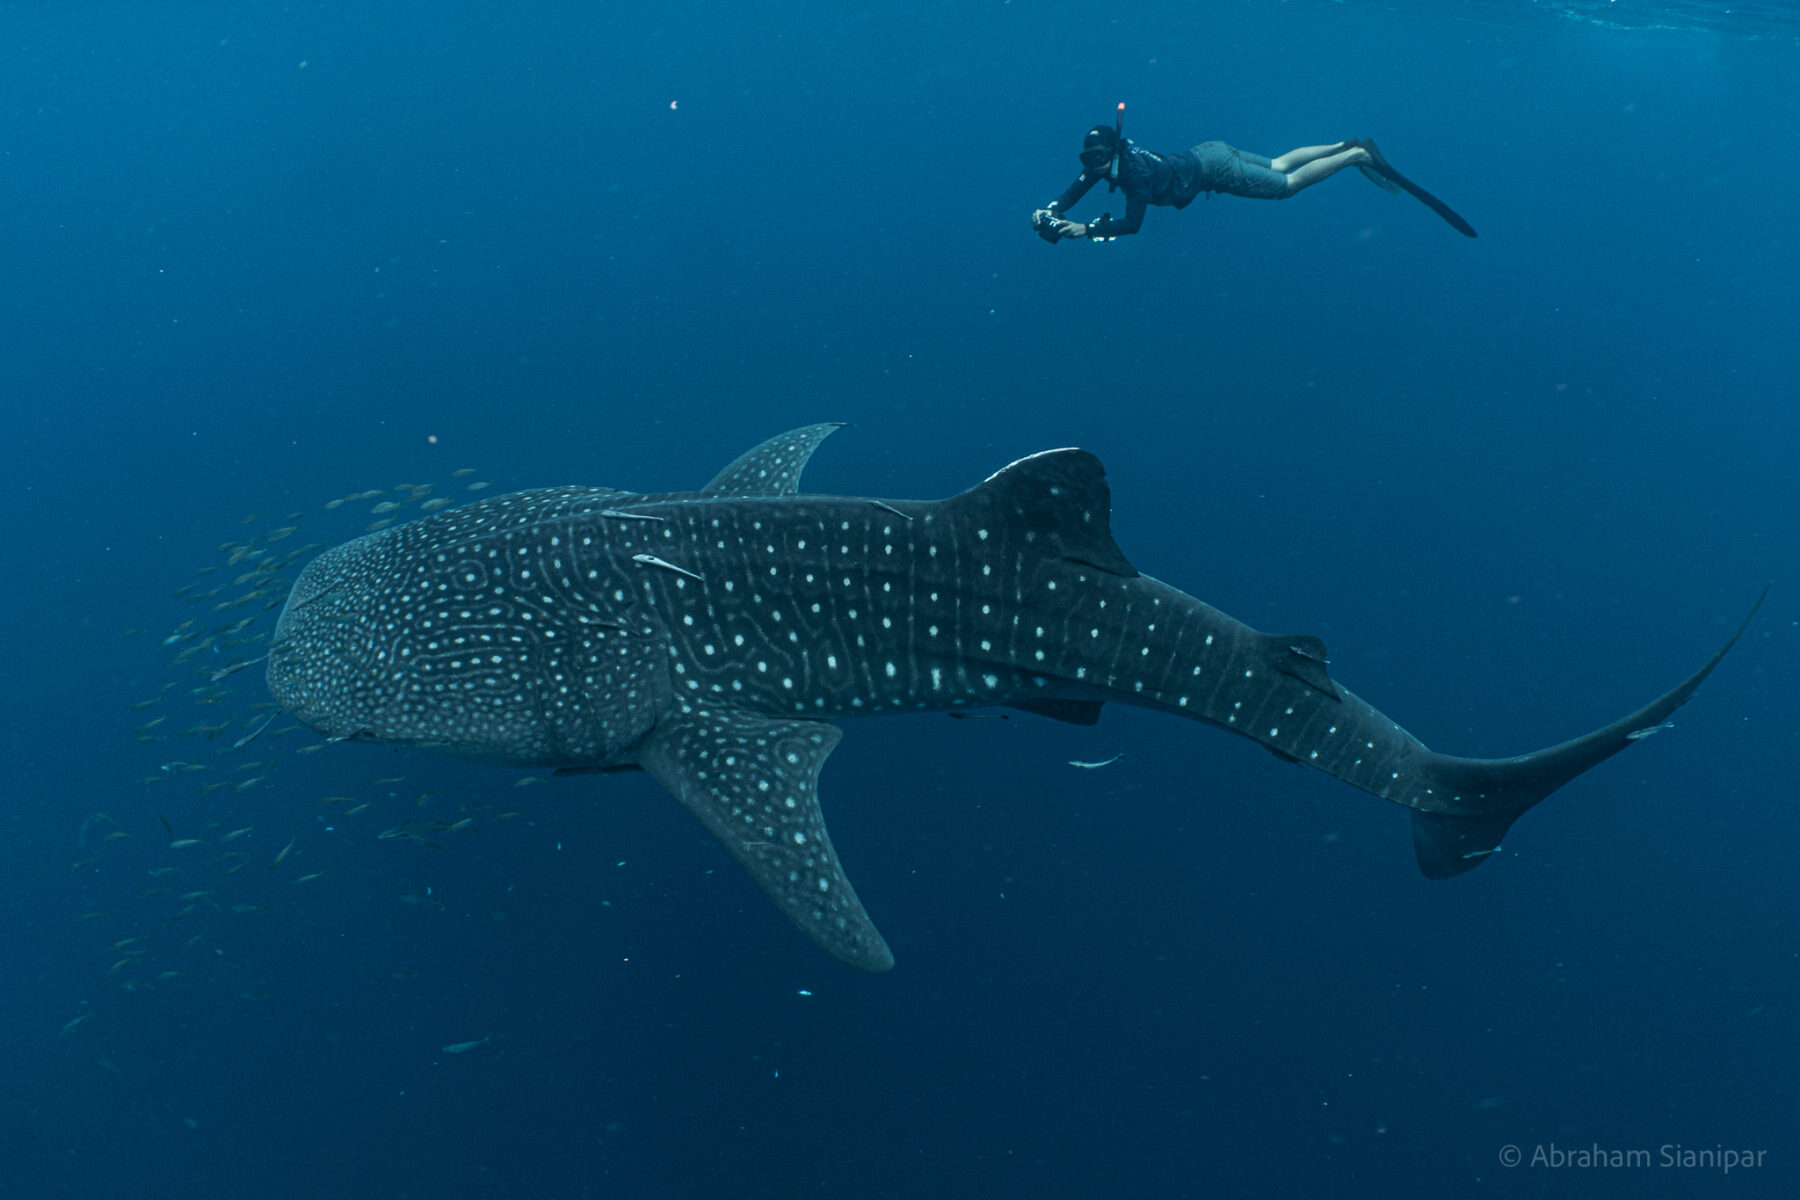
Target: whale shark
(712,637)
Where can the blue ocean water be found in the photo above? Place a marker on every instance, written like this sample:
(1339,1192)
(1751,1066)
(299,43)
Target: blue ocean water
(260,256)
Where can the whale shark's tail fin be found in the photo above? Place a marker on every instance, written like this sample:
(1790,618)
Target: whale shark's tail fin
(1500,790)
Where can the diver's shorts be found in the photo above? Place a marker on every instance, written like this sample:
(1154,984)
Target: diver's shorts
(1238,172)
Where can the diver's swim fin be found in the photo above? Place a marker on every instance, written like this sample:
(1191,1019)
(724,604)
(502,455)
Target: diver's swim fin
(1378,179)
(1370,173)
(1382,167)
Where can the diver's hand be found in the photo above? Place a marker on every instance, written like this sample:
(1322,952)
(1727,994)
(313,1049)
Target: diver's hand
(1071,229)
(1042,217)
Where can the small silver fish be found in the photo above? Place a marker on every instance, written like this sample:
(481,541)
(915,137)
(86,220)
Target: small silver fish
(1094,766)
(465,1047)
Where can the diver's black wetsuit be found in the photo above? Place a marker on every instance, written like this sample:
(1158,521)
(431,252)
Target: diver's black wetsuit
(1147,178)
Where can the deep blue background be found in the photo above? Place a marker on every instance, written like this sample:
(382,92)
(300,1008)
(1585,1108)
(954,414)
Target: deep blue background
(256,255)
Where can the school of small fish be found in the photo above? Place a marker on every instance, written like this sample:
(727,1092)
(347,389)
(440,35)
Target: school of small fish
(202,766)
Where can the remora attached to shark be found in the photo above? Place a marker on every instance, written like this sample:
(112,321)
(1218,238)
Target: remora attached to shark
(709,637)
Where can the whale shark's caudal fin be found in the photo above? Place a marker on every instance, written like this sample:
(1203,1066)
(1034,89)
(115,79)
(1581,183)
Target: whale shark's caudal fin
(1449,843)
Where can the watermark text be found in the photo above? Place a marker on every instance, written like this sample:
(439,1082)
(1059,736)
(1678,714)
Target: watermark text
(1669,1155)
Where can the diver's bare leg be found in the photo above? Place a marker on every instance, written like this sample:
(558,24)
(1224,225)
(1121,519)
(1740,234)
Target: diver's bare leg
(1305,154)
(1320,167)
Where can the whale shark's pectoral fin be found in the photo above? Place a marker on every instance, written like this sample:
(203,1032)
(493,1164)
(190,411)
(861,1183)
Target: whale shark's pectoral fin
(772,468)
(754,781)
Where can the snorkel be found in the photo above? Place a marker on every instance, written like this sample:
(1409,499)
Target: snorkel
(1112,172)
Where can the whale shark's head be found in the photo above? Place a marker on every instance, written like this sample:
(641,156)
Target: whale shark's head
(332,659)
(469,632)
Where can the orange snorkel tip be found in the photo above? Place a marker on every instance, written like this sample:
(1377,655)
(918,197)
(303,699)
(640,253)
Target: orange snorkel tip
(1112,170)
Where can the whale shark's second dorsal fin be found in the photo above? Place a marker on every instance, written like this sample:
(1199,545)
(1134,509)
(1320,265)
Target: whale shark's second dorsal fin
(773,467)
(1057,500)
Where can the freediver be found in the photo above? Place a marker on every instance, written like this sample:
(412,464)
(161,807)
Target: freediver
(1148,177)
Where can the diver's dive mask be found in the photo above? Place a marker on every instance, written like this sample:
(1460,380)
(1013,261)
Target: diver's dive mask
(1100,151)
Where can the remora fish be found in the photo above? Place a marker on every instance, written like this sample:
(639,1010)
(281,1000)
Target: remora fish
(709,637)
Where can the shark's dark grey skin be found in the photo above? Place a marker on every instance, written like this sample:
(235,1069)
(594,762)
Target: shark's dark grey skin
(710,637)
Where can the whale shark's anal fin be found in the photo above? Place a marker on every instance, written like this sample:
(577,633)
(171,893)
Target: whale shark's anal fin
(1500,791)
(771,468)
(753,781)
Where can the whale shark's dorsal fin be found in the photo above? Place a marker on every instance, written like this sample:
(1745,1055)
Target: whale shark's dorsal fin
(1057,499)
(772,468)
